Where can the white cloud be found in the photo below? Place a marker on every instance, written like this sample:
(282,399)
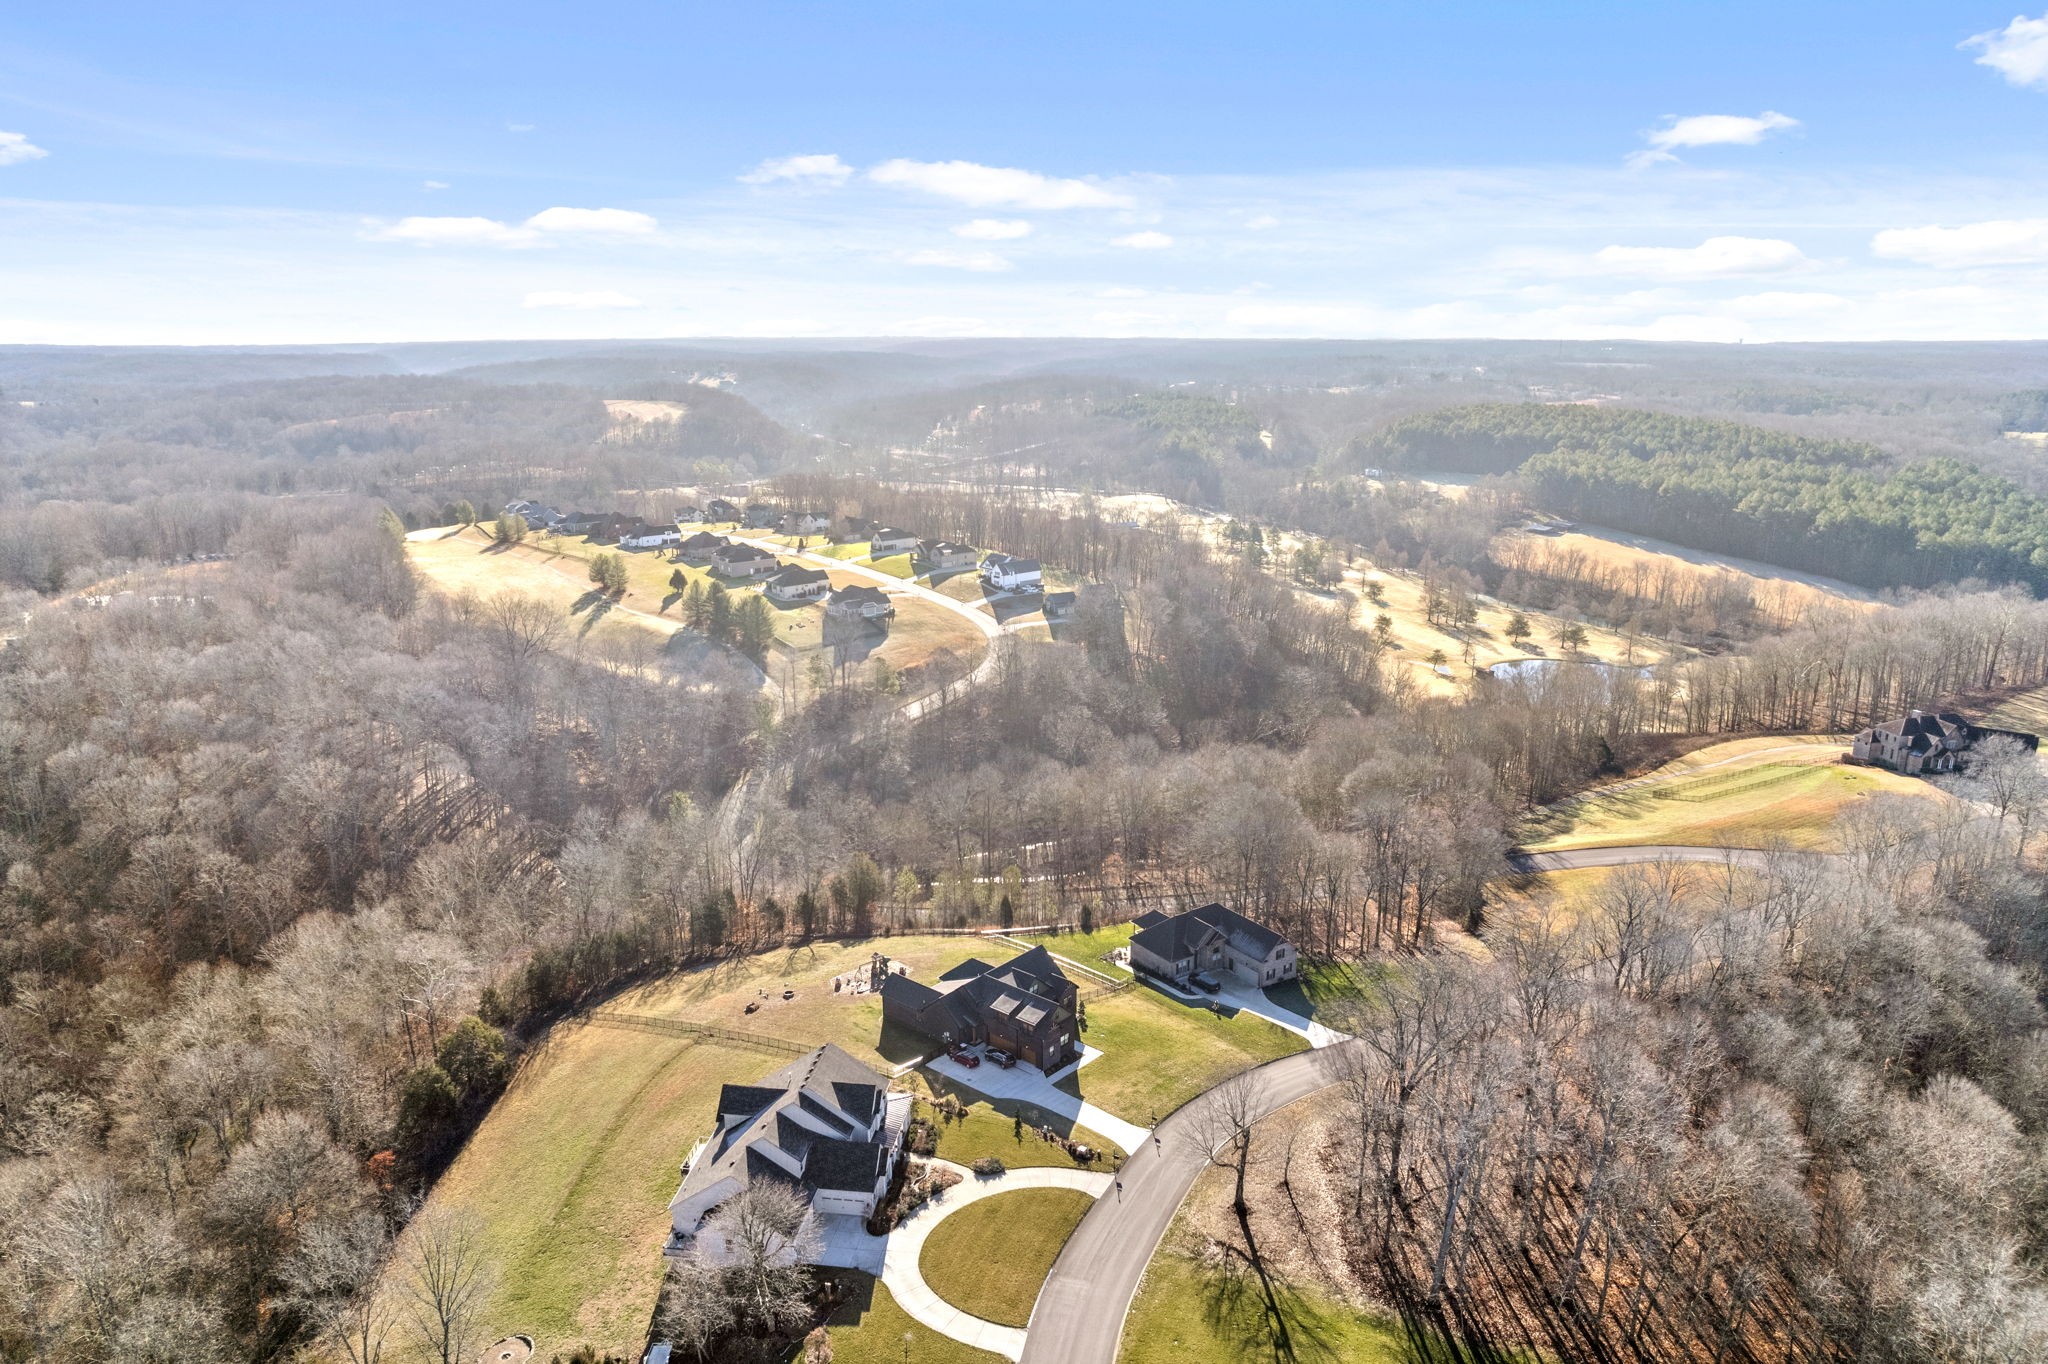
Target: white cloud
(535,231)
(983,262)
(431,185)
(1144,241)
(1307,318)
(1714,258)
(1708,130)
(1120,291)
(994,186)
(593,300)
(818,169)
(519,127)
(609,221)
(1262,222)
(994,229)
(2002,241)
(456,232)
(15,148)
(2019,51)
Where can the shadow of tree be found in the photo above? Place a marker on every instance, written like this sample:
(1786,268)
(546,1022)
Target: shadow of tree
(593,606)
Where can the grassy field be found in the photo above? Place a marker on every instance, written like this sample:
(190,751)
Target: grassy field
(1087,948)
(1328,988)
(1773,793)
(990,1129)
(869,1328)
(719,994)
(2028,711)
(1189,1313)
(1159,1053)
(571,1173)
(990,1258)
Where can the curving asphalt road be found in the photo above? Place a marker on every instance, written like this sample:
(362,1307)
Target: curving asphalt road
(1080,1313)
(1574,859)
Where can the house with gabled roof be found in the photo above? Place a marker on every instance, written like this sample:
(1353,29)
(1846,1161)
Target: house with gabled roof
(943,555)
(806,523)
(1025,1006)
(798,584)
(702,546)
(718,509)
(1011,574)
(735,560)
(1211,941)
(825,1125)
(858,602)
(1926,742)
(887,540)
(645,536)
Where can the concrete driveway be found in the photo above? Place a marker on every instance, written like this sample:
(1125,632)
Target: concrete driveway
(1252,1000)
(903,1275)
(1028,1084)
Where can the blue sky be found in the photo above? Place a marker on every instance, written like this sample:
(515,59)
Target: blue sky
(269,173)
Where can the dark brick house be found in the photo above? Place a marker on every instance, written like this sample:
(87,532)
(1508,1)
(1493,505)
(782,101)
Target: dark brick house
(1024,1006)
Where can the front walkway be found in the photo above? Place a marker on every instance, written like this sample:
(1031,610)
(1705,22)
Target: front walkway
(903,1276)
(1027,1084)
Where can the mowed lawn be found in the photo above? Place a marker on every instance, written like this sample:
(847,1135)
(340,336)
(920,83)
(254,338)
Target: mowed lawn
(720,994)
(990,1258)
(1767,798)
(1158,1053)
(1187,1312)
(990,1128)
(2028,711)
(1090,949)
(571,1173)
(869,1328)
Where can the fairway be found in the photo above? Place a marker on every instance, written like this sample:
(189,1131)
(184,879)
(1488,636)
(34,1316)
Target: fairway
(571,1173)
(990,1258)
(1766,793)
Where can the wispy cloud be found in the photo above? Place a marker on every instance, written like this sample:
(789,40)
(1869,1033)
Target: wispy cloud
(431,185)
(2002,241)
(519,127)
(993,229)
(1707,130)
(2019,51)
(824,169)
(1144,241)
(15,148)
(980,186)
(1714,258)
(535,231)
(981,262)
(591,300)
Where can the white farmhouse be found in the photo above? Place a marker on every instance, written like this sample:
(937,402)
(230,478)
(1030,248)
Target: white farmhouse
(1011,574)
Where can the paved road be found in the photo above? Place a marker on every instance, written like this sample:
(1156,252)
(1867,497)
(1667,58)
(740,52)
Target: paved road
(1574,859)
(1080,1312)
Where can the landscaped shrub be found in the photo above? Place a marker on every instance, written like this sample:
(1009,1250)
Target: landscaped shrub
(988,1167)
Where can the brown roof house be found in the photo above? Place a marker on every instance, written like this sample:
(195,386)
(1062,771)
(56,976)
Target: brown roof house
(1211,941)
(735,560)
(1920,741)
(1024,1006)
(824,1125)
(858,602)
(944,554)
(796,583)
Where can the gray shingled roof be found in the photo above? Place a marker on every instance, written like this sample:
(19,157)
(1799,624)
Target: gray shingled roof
(764,1113)
(1174,937)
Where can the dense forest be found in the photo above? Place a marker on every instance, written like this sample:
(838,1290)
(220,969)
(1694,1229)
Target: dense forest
(1831,507)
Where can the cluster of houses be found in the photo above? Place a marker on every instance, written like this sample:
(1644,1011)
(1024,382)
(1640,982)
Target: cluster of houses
(829,1127)
(730,558)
